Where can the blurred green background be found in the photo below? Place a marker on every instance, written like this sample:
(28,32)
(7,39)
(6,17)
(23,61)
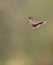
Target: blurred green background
(19,44)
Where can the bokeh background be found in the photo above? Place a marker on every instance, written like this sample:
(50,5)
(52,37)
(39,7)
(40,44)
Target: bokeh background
(19,44)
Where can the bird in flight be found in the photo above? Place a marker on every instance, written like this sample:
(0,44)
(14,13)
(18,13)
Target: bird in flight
(34,23)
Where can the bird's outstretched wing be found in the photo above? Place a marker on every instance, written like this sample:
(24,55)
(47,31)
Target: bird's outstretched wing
(37,24)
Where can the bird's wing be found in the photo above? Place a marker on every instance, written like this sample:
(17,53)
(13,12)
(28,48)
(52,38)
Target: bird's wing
(39,22)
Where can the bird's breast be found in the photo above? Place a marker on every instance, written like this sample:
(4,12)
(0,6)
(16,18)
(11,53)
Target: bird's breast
(34,25)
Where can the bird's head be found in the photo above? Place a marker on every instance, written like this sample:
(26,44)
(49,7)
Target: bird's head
(30,17)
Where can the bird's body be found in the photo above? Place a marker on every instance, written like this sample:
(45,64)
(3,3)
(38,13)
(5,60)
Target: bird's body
(34,23)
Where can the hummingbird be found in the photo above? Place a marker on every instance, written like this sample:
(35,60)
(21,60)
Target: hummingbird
(35,24)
